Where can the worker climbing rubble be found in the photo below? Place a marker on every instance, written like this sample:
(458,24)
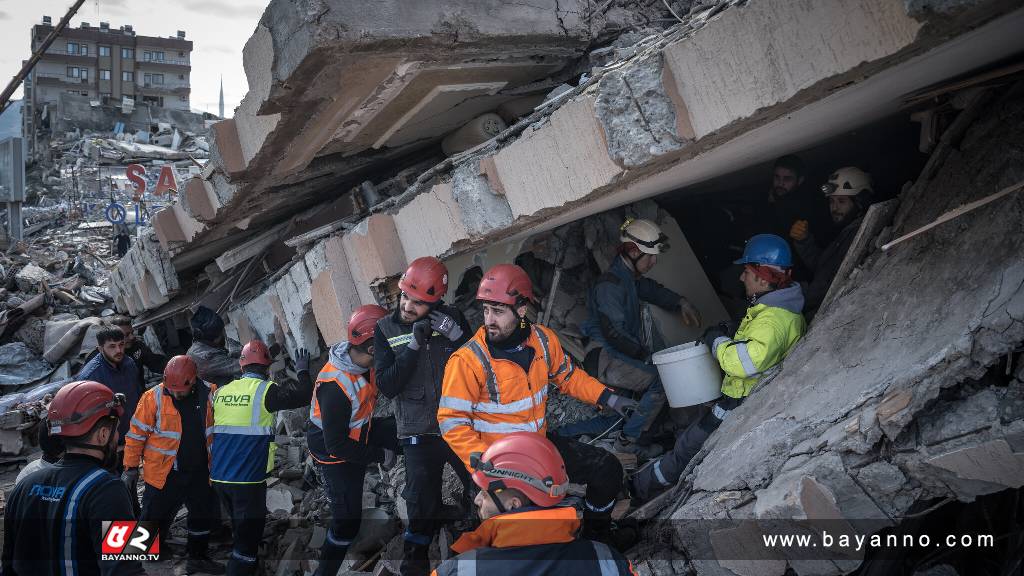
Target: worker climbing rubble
(497,384)
(170,436)
(413,346)
(73,496)
(771,327)
(623,335)
(344,437)
(527,527)
(243,448)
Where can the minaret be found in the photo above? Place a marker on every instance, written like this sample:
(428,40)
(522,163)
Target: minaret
(221,95)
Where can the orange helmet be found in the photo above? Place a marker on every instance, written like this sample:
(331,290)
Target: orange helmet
(78,406)
(255,352)
(180,374)
(426,279)
(505,283)
(526,461)
(360,325)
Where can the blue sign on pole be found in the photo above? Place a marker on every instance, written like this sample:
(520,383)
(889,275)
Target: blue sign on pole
(116,213)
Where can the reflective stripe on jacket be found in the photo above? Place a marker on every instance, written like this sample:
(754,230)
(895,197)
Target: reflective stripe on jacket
(155,434)
(764,338)
(243,433)
(533,541)
(483,398)
(361,393)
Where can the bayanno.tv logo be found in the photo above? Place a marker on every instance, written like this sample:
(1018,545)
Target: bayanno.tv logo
(130,540)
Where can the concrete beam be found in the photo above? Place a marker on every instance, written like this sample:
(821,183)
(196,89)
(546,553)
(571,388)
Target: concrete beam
(332,292)
(435,206)
(374,251)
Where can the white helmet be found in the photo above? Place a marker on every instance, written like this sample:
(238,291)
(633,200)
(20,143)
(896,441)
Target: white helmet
(848,181)
(645,234)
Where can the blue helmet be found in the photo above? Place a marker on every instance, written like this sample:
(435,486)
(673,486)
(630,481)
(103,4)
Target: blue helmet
(767,249)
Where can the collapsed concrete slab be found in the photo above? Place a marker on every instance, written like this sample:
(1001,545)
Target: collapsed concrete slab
(886,402)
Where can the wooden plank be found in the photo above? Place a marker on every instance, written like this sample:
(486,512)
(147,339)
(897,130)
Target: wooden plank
(877,217)
(242,253)
(320,232)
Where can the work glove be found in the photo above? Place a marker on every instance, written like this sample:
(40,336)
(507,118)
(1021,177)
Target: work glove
(390,459)
(691,316)
(621,404)
(130,478)
(711,334)
(420,333)
(798,231)
(302,360)
(445,325)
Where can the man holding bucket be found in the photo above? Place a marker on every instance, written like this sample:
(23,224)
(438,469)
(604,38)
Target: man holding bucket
(770,328)
(623,338)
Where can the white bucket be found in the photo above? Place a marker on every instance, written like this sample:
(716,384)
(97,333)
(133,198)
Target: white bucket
(689,374)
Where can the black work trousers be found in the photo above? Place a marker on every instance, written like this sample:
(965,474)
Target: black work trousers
(666,470)
(246,505)
(193,490)
(343,483)
(425,457)
(599,469)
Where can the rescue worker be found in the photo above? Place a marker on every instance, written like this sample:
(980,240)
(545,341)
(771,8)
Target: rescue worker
(849,191)
(526,527)
(242,452)
(769,330)
(170,437)
(344,437)
(116,370)
(215,364)
(622,339)
(53,518)
(412,347)
(136,349)
(52,447)
(497,384)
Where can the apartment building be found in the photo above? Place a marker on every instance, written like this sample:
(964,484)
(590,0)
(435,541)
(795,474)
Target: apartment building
(107,65)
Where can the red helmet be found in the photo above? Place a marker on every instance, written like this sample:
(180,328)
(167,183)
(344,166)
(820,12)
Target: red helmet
(426,279)
(255,352)
(78,406)
(526,461)
(180,374)
(505,283)
(360,325)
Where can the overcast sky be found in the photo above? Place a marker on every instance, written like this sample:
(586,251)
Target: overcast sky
(218,30)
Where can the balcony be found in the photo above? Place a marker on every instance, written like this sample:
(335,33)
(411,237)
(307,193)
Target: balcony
(166,62)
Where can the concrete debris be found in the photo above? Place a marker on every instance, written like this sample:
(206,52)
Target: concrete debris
(19,366)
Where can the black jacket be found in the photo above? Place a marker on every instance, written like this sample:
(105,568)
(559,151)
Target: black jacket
(144,357)
(824,264)
(53,523)
(413,377)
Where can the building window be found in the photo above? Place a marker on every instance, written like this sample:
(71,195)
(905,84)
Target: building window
(72,47)
(158,78)
(74,72)
(84,50)
(104,50)
(104,74)
(128,76)
(127,53)
(181,76)
(85,74)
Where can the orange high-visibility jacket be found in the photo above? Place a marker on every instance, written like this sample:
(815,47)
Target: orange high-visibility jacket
(361,393)
(483,398)
(155,433)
